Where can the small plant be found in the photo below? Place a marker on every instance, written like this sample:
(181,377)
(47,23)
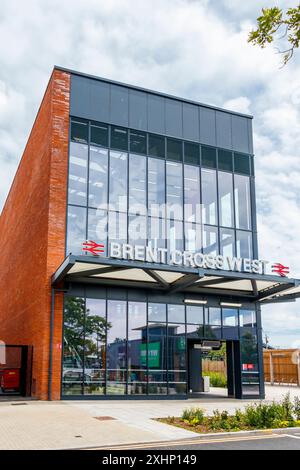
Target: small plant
(193,416)
(296,408)
(217,379)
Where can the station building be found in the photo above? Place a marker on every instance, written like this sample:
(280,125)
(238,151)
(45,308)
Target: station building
(129,247)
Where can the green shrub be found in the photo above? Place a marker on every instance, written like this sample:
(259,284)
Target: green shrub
(193,416)
(296,408)
(217,379)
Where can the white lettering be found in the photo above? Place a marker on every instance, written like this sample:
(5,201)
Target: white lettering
(127,251)
(151,254)
(247,265)
(235,264)
(115,250)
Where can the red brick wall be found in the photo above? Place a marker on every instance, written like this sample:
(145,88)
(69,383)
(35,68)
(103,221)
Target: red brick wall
(32,236)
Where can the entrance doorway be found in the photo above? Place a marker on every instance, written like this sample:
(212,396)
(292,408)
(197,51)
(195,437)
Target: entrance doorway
(214,368)
(15,370)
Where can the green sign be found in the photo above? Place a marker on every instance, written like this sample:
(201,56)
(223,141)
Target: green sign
(153,354)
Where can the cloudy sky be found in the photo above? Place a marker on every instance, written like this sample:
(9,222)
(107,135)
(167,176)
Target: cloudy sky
(192,48)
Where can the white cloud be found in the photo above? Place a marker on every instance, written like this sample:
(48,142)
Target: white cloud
(197,49)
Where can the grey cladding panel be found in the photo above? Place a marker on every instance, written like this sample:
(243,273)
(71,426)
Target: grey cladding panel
(119,105)
(80,97)
(190,122)
(138,110)
(99,101)
(240,137)
(223,127)
(207,126)
(173,118)
(250,136)
(156,114)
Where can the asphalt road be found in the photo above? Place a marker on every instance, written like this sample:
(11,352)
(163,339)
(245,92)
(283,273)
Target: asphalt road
(289,440)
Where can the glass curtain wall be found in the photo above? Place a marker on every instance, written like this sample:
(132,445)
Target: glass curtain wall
(159,192)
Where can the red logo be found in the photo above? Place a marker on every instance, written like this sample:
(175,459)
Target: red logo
(278,268)
(93,247)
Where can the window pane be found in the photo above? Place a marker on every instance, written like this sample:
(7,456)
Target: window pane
(116,347)
(74,316)
(97,228)
(176,314)
(209,197)
(244,244)
(227,244)
(117,227)
(118,181)
(176,359)
(79,131)
(156,186)
(119,138)
(174,150)
(194,314)
(157,312)
(191,153)
(175,236)
(156,232)
(212,316)
(137,348)
(99,135)
(210,240)
(192,194)
(138,142)
(249,352)
(193,237)
(226,199)
(230,317)
(194,331)
(174,190)
(156,146)
(248,318)
(208,157)
(157,359)
(137,230)
(95,347)
(137,184)
(78,164)
(76,230)
(224,160)
(242,202)
(98,176)
(241,163)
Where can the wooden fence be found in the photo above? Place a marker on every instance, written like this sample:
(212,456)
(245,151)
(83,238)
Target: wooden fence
(214,366)
(282,366)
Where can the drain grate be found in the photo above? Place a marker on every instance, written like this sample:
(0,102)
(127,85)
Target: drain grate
(18,404)
(104,418)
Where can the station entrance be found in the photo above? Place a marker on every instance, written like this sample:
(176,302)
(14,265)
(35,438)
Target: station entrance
(15,370)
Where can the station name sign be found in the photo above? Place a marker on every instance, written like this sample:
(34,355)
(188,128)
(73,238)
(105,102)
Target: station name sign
(149,254)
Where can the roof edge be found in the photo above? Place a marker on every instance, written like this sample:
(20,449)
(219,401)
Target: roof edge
(146,90)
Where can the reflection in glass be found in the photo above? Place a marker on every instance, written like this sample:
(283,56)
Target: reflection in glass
(137,184)
(156,232)
(242,202)
(209,197)
(227,245)
(116,347)
(244,244)
(95,347)
(174,190)
(226,199)
(76,229)
(248,318)
(156,186)
(191,194)
(157,312)
(98,176)
(78,163)
(176,359)
(176,313)
(249,359)
(230,317)
(174,230)
(97,227)
(118,181)
(210,240)
(137,348)
(117,227)
(193,237)
(194,314)
(212,316)
(157,359)
(72,376)
(79,131)
(137,230)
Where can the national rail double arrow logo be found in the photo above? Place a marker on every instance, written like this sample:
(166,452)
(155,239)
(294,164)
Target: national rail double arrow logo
(280,269)
(93,247)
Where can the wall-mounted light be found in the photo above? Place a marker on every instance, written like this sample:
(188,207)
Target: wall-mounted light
(194,301)
(230,304)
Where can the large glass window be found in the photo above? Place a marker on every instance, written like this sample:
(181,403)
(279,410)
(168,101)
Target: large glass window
(194,314)
(174,149)
(156,232)
(244,244)
(76,229)
(78,166)
(79,131)
(226,199)
(230,323)
(210,240)
(242,202)
(119,138)
(191,153)
(98,177)
(97,227)
(99,135)
(118,181)
(227,244)
(137,184)
(192,194)
(192,237)
(157,312)
(212,327)
(248,318)
(242,163)
(208,157)
(117,227)
(72,376)
(209,197)
(137,348)
(116,347)
(225,160)
(137,230)
(138,142)
(174,230)
(95,347)
(157,358)
(176,313)
(174,190)
(249,360)
(176,359)
(156,146)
